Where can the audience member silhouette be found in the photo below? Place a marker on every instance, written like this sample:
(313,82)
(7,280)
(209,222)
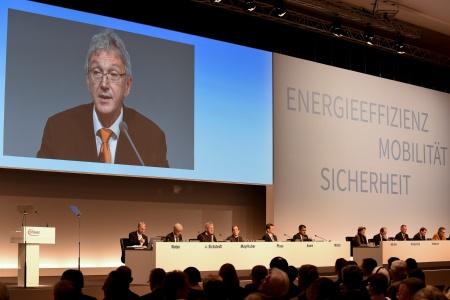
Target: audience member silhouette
(384,271)
(429,293)
(275,285)
(408,287)
(213,287)
(306,275)
(77,278)
(233,290)
(256,296)
(377,286)
(65,290)
(323,289)
(175,285)
(195,290)
(411,264)
(155,280)
(352,283)
(294,290)
(367,266)
(398,272)
(4,292)
(417,273)
(259,272)
(338,265)
(128,278)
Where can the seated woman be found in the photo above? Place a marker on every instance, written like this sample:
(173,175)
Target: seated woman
(360,238)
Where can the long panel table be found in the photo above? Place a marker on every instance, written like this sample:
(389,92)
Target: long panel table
(428,253)
(209,257)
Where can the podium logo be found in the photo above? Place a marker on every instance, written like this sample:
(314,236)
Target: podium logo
(33,232)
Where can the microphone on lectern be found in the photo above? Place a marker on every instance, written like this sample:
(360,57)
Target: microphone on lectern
(325,240)
(41,217)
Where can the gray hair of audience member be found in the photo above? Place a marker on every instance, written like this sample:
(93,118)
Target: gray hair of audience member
(213,287)
(378,284)
(177,226)
(384,271)
(429,293)
(4,292)
(323,289)
(276,284)
(306,275)
(399,270)
(256,296)
(352,276)
(412,285)
(109,41)
(65,290)
(156,278)
(175,285)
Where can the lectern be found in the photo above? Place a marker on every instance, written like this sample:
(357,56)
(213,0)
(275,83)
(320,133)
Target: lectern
(28,240)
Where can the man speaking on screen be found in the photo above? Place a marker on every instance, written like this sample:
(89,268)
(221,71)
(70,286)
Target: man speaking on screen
(105,130)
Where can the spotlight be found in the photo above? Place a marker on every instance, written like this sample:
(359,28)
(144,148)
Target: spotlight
(249,5)
(215,1)
(399,46)
(279,7)
(369,34)
(336,28)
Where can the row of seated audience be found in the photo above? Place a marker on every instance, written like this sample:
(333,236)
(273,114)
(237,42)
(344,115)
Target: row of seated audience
(402,280)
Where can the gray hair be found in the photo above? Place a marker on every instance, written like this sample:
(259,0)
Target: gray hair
(177,226)
(207,224)
(109,41)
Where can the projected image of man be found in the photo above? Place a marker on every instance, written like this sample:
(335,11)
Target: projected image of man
(105,130)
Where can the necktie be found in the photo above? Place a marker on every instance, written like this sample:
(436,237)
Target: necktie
(105,153)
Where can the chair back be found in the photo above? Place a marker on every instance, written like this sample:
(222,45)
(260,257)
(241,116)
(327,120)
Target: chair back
(124,242)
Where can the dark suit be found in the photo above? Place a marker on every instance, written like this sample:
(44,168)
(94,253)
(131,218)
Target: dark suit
(399,237)
(267,238)
(418,237)
(204,237)
(70,135)
(377,239)
(298,236)
(156,294)
(171,237)
(133,236)
(232,238)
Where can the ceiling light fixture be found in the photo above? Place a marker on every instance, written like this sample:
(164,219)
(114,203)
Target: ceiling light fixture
(399,46)
(279,7)
(249,5)
(336,28)
(369,34)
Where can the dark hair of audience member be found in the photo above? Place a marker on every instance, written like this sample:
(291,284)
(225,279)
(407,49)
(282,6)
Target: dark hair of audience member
(279,263)
(306,275)
(193,275)
(4,292)
(75,276)
(213,287)
(367,265)
(417,273)
(378,284)
(156,278)
(65,290)
(259,272)
(323,289)
(231,282)
(175,285)
(410,287)
(391,260)
(411,264)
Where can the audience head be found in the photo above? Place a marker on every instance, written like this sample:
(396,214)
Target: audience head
(417,273)
(378,284)
(259,272)
(384,271)
(65,290)
(367,265)
(117,283)
(323,289)
(306,275)
(292,273)
(352,276)
(256,296)
(213,287)
(279,263)
(75,276)
(193,275)
(338,265)
(4,292)
(429,293)
(398,270)
(409,287)
(276,284)
(411,264)
(175,285)
(156,278)
(229,275)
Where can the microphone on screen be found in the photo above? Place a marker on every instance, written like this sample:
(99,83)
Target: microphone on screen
(124,128)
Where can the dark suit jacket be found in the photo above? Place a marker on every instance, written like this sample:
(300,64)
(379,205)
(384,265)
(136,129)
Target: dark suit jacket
(203,237)
(231,238)
(267,238)
(156,294)
(134,239)
(399,237)
(171,237)
(377,239)
(297,237)
(418,237)
(69,135)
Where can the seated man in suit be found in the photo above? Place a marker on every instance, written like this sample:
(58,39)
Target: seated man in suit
(235,237)
(175,236)
(138,237)
(270,233)
(420,235)
(402,235)
(382,236)
(301,235)
(208,234)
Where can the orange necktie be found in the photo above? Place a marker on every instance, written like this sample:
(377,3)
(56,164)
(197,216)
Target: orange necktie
(105,153)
